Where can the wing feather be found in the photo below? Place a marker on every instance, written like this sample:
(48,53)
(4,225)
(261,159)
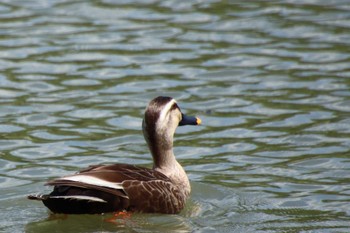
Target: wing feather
(110,178)
(61,182)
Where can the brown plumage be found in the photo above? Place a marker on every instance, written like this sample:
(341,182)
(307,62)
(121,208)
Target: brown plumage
(109,188)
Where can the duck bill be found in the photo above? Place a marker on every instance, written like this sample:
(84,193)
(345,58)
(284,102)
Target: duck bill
(189,120)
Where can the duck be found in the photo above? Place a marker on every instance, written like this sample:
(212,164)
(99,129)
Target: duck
(100,189)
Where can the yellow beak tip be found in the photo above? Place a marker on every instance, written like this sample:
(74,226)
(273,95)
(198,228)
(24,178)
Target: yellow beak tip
(199,121)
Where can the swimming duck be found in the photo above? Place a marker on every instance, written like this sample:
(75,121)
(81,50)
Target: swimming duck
(118,187)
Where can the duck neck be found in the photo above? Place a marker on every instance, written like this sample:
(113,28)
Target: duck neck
(166,163)
(164,160)
(161,147)
(162,153)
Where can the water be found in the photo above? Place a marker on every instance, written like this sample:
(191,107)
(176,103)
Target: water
(270,80)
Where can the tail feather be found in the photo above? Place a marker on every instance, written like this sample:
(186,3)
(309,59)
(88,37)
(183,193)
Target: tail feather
(38,197)
(80,198)
(44,197)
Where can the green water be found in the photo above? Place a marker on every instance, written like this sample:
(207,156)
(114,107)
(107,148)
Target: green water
(269,79)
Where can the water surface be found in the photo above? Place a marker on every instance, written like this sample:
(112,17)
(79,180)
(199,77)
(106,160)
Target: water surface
(269,79)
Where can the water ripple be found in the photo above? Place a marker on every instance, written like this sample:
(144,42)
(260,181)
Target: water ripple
(268,79)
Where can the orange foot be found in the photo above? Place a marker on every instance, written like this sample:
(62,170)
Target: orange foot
(121,215)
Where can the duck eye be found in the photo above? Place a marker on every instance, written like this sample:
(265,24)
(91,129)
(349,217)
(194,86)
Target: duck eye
(175,106)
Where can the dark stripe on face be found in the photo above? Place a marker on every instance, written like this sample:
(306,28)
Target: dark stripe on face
(175,106)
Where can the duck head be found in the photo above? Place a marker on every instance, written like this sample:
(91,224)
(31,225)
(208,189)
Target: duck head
(162,117)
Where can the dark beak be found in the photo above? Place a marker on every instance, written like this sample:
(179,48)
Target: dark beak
(189,120)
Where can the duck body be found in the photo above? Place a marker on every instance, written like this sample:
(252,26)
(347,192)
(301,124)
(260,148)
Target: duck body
(109,188)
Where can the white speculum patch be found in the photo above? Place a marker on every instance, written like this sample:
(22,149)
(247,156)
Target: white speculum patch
(80,197)
(93,181)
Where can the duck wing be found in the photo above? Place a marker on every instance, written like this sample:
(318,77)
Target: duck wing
(108,188)
(109,178)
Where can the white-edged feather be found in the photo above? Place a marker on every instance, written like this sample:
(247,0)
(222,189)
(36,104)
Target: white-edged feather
(79,197)
(93,181)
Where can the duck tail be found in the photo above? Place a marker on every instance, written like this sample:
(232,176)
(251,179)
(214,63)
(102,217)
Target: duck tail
(38,197)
